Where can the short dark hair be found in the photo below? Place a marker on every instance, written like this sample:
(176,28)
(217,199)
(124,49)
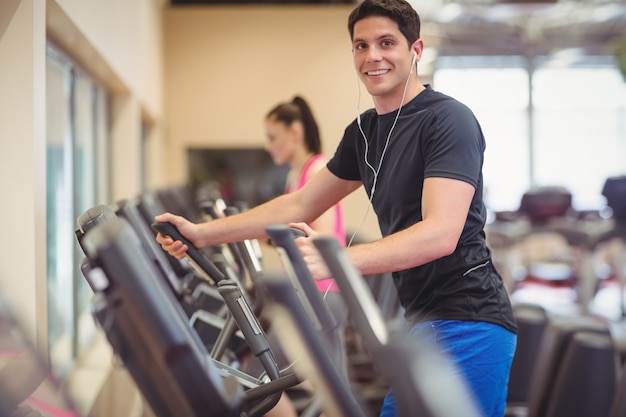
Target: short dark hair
(298,110)
(399,11)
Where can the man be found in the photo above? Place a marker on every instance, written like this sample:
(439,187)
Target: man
(419,155)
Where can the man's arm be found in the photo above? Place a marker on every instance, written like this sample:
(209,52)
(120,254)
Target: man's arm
(321,192)
(445,205)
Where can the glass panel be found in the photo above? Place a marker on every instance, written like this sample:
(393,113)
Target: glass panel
(77,179)
(580,113)
(85,192)
(496,90)
(102,160)
(579,119)
(60,214)
(84,141)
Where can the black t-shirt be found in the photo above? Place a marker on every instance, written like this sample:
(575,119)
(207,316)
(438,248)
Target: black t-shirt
(435,136)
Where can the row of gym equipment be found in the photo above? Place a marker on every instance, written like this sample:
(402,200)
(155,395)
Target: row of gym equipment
(569,261)
(187,329)
(185,336)
(565,271)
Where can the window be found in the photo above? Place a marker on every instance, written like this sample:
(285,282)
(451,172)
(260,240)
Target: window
(496,90)
(242,175)
(580,128)
(577,110)
(59,201)
(77,173)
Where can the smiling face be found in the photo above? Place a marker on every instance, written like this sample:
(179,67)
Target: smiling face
(383,58)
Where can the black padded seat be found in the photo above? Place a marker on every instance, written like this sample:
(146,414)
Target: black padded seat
(553,349)
(531,320)
(585,382)
(614,191)
(542,204)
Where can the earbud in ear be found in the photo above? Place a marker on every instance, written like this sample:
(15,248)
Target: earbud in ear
(413,62)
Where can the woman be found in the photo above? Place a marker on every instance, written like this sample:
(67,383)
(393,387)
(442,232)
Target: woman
(293,139)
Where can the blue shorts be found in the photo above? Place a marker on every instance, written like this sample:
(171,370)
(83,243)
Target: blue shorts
(482,352)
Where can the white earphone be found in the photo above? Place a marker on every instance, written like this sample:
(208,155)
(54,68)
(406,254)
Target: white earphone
(413,62)
(376,171)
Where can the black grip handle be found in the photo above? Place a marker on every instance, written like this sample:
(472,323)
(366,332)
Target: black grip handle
(197,260)
(319,358)
(283,237)
(361,303)
(297,232)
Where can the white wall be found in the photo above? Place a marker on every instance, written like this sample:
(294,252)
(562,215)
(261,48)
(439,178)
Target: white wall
(22,171)
(226,66)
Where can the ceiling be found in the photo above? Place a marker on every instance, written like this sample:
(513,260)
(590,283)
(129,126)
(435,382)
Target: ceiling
(503,27)
(208,2)
(526,28)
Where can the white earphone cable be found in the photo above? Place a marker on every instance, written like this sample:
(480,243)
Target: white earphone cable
(382,155)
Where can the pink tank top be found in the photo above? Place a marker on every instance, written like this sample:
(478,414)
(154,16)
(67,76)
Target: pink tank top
(339,232)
